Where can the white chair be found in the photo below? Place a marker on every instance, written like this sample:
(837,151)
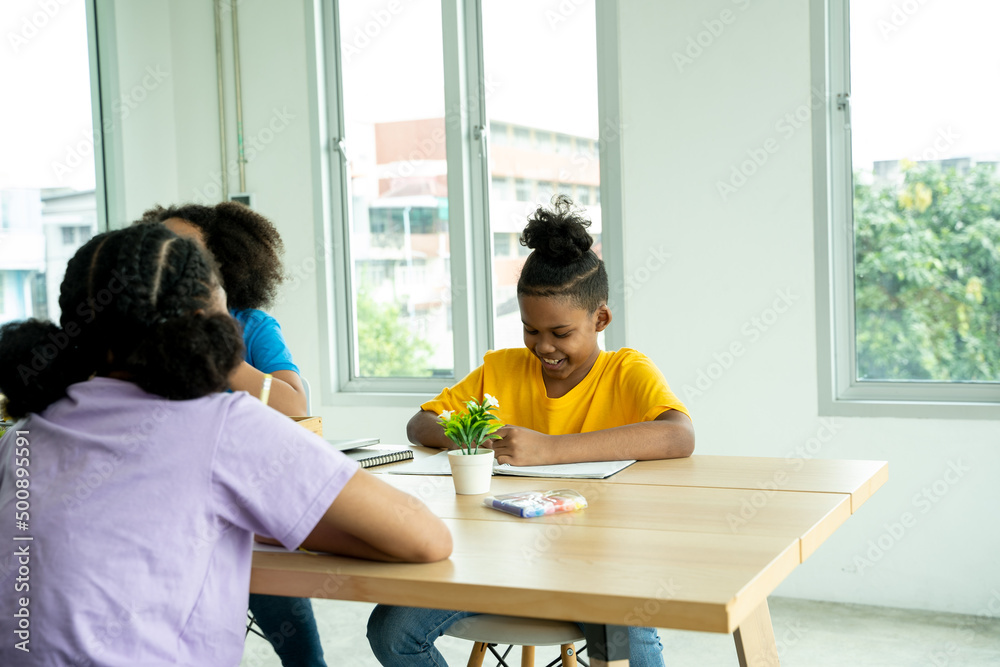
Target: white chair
(488,630)
(308,390)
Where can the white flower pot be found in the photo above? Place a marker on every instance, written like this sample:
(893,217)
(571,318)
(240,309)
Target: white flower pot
(471,472)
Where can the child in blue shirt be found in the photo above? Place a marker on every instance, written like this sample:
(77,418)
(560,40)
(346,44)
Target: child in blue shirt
(247,248)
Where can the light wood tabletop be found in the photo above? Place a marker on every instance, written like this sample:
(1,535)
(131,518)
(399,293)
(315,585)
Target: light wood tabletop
(693,544)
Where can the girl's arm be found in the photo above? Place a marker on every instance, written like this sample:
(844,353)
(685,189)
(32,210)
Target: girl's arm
(423,429)
(669,436)
(288,395)
(370,519)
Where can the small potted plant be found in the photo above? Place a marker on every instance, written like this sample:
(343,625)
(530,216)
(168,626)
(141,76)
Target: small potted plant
(471,463)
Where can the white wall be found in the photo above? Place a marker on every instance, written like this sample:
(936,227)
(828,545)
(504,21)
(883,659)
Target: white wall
(684,129)
(141,110)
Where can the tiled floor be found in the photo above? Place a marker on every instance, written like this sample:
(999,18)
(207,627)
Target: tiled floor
(809,634)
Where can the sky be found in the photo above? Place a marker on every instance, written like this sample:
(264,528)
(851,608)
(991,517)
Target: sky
(540,65)
(45,116)
(931,75)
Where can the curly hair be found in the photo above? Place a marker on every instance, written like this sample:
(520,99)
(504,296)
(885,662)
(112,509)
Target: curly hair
(562,263)
(132,302)
(245,244)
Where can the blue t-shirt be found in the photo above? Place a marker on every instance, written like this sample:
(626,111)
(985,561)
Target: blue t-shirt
(264,346)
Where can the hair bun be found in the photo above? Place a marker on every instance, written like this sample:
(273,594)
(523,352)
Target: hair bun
(37,365)
(187,357)
(559,234)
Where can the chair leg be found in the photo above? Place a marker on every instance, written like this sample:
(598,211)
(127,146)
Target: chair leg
(478,653)
(527,656)
(568,654)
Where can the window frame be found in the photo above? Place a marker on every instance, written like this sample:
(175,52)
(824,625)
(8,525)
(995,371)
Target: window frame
(840,393)
(470,236)
(109,184)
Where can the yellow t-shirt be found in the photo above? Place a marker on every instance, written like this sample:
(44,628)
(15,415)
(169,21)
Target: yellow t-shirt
(623,387)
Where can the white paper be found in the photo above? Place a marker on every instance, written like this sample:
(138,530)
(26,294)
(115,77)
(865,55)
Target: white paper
(438,465)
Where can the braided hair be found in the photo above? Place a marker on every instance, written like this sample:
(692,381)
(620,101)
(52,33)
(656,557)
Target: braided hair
(562,263)
(132,302)
(246,245)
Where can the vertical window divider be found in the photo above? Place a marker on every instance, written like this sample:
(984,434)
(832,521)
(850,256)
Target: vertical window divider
(481,229)
(109,187)
(463,103)
(332,146)
(842,209)
(827,373)
(609,141)
(323,73)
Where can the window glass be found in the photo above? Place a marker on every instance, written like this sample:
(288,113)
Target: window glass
(393,105)
(503,189)
(544,192)
(522,137)
(564,144)
(48,206)
(925,147)
(498,134)
(524,189)
(554,141)
(502,246)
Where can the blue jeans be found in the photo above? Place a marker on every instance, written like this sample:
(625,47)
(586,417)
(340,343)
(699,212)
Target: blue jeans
(290,626)
(404,637)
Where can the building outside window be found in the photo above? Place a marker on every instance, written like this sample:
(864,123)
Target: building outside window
(522,138)
(47,168)
(524,189)
(400,167)
(498,134)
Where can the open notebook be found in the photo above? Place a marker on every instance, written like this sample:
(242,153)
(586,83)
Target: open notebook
(438,465)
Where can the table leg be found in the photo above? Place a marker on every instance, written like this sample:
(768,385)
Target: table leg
(607,645)
(755,644)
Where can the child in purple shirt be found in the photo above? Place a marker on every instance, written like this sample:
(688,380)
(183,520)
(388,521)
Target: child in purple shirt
(247,248)
(134,486)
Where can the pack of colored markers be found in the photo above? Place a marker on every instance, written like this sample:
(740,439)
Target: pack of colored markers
(537,503)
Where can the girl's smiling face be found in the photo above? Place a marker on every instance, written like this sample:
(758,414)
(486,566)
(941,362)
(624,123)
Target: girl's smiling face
(564,338)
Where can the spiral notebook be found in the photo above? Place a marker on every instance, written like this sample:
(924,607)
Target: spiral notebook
(377,455)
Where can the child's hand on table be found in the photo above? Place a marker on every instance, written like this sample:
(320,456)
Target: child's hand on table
(521,446)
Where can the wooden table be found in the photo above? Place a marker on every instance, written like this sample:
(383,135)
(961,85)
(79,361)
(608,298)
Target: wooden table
(691,544)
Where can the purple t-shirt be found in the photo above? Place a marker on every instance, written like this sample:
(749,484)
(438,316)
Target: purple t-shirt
(141,513)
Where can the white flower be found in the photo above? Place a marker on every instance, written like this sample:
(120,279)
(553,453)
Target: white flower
(446,415)
(491,401)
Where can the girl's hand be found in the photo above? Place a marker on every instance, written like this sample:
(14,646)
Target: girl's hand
(523,447)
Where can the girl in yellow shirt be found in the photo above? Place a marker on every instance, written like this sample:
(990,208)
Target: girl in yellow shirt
(563,399)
